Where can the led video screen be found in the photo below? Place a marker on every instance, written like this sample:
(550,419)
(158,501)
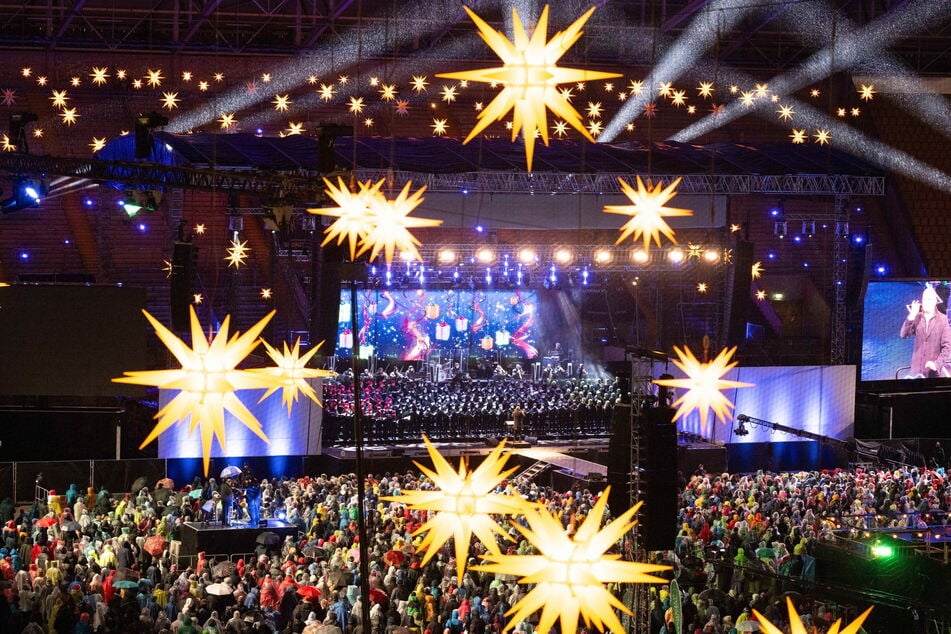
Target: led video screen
(905,331)
(410,324)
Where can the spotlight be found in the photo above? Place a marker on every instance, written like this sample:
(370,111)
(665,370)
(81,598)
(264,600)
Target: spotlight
(563,256)
(602,256)
(130,206)
(26,194)
(858,238)
(527,256)
(485,255)
(640,256)
(881,269)
(711,255)
(676,256)
(447,256)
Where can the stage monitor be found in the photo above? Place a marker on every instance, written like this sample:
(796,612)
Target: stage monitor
(408,324)
(71,340)
(896,321)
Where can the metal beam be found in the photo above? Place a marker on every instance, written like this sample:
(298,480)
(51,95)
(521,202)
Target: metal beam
(77,7)
(210,7)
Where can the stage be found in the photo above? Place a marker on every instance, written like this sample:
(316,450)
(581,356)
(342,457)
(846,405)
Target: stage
(215,539)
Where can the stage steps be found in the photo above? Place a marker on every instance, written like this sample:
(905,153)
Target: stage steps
(533,471)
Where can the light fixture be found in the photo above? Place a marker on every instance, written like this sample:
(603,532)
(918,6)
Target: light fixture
(741,429)
(26,194)
(711,255)
(779,228)
(527,256)
(675,255)
(447,256)
(603,256)
(640,256)
(809,227)
(563,256)
(485,255)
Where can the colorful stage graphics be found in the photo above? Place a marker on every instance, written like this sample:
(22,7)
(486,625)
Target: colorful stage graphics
(409,324)
(885,355)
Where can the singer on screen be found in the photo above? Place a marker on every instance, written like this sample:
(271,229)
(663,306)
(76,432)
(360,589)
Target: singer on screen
(931,356)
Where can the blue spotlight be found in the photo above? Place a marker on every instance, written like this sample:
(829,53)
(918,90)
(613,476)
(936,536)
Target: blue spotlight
(858,238)
(881,269)
(479,229)
(24,255)
(771,255)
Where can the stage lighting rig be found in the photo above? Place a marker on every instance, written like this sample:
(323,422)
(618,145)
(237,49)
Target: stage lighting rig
(26,193)
(741,429)
(144,124)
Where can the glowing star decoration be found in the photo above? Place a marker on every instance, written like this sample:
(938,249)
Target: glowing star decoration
(251,88)
(823,137)
(356,105)
(290,374)
(691,109)
(530,78)
(155,77)
(6,145)
(389,228)
(756,271)
(785,112)
(798,136)
(388,92)
(595,128)
(368,122)
(170,100)
(636,87)
(747,98)
(121,73)
(227,120)
(353,212)
(594,110)
(26,72)
(478,106)
(678,98)
(647,211)
(664,88)
(200,229)
(608,87)
(75,82)
(796,625)
(294,128)
(69,116)
(402,107)
(38,133)
(701,287)
(704,383)
(761,295)
(59,98)
(761,90)
(570,572)
(566,94)
(9,96)
(206,381)
(814,93)
(650,110)
(42,80)
(840,112)
(203,86)
(419,83)
(97,144)
(237,253)
(855,112)
(167,268)
(705,89)
(867,92)
(439,127)
(136,83)
(197,298)
(266,78)
(343,79)
(716,109)
(621,96)
(448,94)
(734,228)
(463,503)
(282,102)
(265,293)
(560,129)
(374,81)
(630,126)
(186,76)
(327,92)
(219,77)
(694,251)
(312,80)
(99,76)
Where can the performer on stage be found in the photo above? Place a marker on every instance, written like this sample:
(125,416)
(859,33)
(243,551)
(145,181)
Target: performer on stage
(227,501)
(252,492)
(929,326)
(518,418)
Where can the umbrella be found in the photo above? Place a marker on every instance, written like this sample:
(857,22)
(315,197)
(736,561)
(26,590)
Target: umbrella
(268,538)
(394,558)
(208,506)
(230,471)
(223,569)
(219,589)
(46,522)
(309,592)
(378,596)
(194,494)
(139,484)
(154,545)
(165,483)
(125,584)
(712,594)
(748,625)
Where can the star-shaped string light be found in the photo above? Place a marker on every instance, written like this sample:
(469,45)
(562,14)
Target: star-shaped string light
(374,81)
(439,126)
(327,91)
(6,144)
(402,107)
(237,253)
(343,79)
(448,94)
(761,90)
(823,137)
(704,383)
(99,76)
(42,80)
(69,116)
(368,122)
(121,73)
(595,128)
(206,381)
(798,136)
(855,112)
(203,86)
(678,98)
(294,128)
(38,133)
(636,86)
(419,83)
(735,227)
(186,75)
(167,268)
(840,112)
(569,572)
(9,96)
(388,92)
(266,78)
(200,229)
(137,83)
(219,77)
(282,102)
(265,293)
(290,374)
(664,88)
(198,298)
(530,78)
(650,110)
(75,82)
(594,110)
(756,271)
(391,223)
(463,504)
(647,211)
(353,212)
(701,287)
(705,89)
(155,77)
(251,88)
(356,105)
(785,112)
(97,144)
(227,120)
(747,98)
(560,129)
(566,93)
(760,294)
(797,627)
(867,93)
(170,100)
(59,98)
(694,251)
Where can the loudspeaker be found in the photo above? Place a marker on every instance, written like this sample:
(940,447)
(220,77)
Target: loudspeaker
(326,311)
(619,460)
(659,480)
(180,290)
(738,292)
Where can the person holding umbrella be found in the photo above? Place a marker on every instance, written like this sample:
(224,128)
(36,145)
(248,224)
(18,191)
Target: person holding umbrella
(227,501)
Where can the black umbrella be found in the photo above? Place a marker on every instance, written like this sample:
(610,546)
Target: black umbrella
(268,538)
(223,569)
(140,483)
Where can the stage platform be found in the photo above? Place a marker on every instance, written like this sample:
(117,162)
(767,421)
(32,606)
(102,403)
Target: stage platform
(214,538)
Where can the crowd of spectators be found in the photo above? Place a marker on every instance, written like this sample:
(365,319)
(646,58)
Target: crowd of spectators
(401,409)
(82,563)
